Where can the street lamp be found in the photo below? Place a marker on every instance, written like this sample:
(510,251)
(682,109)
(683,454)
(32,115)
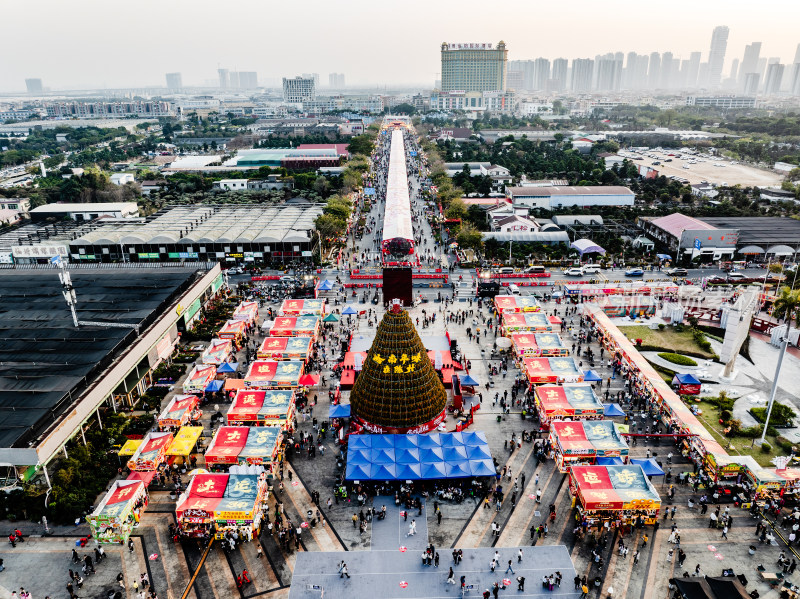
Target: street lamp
(784,344)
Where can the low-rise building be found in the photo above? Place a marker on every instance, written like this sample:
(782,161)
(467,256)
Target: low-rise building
(83,212)
(122,178)
(549,198)
(487,101)
(149,187)
(230,184)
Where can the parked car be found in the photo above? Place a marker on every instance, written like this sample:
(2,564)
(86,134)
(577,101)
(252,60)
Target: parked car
(737,276)
(591,269)
(677,272)
(574,272)
(634,272)
(287,278)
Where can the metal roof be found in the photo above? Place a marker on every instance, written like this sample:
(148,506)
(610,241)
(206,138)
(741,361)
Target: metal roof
(46,362)
(526,236)
(676,223)
(761,230)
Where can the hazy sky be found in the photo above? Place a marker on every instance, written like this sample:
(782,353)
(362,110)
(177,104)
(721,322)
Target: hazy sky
(94,43)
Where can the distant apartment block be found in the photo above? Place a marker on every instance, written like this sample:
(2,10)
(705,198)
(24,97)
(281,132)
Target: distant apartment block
(298,90)
(34,86)
(101,110)
(353,103)
(174,81)
(336,80)
(726,102)
(474,67)
(497,101)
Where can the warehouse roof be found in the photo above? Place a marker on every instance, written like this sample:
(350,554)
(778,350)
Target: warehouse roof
(760,230)
(529,236)
(676,223)
(568,190)
(47,362)
(212,224)
(85,207)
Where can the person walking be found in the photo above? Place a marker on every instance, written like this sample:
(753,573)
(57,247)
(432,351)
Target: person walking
(412,528)
(725,532)
(450,577)
(343,571)
(584,591)
(520,583)
(519,556)
(509,568)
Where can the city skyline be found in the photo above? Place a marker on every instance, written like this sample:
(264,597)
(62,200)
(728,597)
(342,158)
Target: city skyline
(394,61)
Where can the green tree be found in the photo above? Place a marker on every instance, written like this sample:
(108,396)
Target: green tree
(469,237)
(361,144)
(787,305)
(456,209)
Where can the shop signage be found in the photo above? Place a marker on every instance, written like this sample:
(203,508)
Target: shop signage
(183,255)
(236,516)
(234,255)
(195,513)
(149,255)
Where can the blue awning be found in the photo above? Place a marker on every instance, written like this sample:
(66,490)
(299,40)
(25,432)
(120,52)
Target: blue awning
(228,367)
(326,285)
(590,376)
(686,379)
(612,409)
(650,467)
(214,386)
(468,380)
(349,310)
(664,256)
(339,411)
(609,461)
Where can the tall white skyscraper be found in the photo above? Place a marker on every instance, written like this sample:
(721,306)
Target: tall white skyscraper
(692,70)
(223,78)
(174,81)
(541,73)
(582,71)
(750,60)
(772,85)
(716,55)
(654,74)
(559,74)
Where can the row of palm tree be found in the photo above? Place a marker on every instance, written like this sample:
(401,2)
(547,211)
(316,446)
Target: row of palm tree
(787,305)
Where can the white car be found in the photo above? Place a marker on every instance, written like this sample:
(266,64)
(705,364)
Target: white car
(591,269)
(574,272)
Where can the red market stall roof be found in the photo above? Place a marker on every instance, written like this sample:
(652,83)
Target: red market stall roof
(116,501)
(199,377)
(534,322)
(285,348)
(178,410)
(218,351)
(306,325)
(613,488)
(568,401)
(595,438)
(296,307)
(246,312)
(145,477)
(551,370)
(703,440)
(255,445)
(538,344)
(270,373)
(516,303)
(234,384)
(261,406)
(222,496)
(232,329)
(632,288)
(151,452)
(349,362)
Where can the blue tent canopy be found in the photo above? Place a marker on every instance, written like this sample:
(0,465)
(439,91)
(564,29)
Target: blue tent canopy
(590,376)
(349,310)
(469,381)
(214,386)
(601,461)
(686,379)
(650,467)
(339,411)
(228,367)
(326,285)
(664,256)
(612,409)
(447,455)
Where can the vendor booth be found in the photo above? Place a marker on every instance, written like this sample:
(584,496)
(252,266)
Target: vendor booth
(640,288)
(306,325)
(271,374)
(218,352)
(617,306)
(298,307)
(119,512)
(151,453)
(534,345)
(245,445)
(620,494)
(199,378)
(285,348)
(214,504)
(184,443)
(234,330)
(274,407)
(578,443)
(530,322)
(179,411)
(246,312)
(516,303)
(686,384)
(129,448)
(551,370)
(564,402)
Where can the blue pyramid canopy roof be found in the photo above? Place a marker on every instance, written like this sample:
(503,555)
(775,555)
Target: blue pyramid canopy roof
(433,440)
(455,469)
(452,440)
(227,367)
(406,441)
(381,456)
(612,409)
(383,472)
(434,470)
(474,438)
(409,471)
(478,452)
(482,468)
(383,441)
(434,454)
(455,454)
(407,456)
(358,457)
(359,441)
(356,472)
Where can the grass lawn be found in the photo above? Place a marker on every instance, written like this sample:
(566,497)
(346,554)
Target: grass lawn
(739,445)
(666,340)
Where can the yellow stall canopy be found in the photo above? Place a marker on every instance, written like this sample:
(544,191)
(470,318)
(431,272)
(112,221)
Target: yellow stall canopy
(185,440)
(130,447)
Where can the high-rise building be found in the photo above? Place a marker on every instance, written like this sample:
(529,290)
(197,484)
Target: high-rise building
(314,76)
(716,55)
(248,79)
(174,81)
(666,70)
(609,72)
(582,72)
(299,89)
(223,78)
(515,75)
(772,84)
(797,54)
(559,74)
(233,80)
(692,70)
(750,60)
(474,67)
(336,80)
(750,87)
(795,79)
(34,86)
(541,73)
(735,69)
(654,73)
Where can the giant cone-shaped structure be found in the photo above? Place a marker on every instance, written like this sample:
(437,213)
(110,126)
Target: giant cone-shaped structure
(398,390)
